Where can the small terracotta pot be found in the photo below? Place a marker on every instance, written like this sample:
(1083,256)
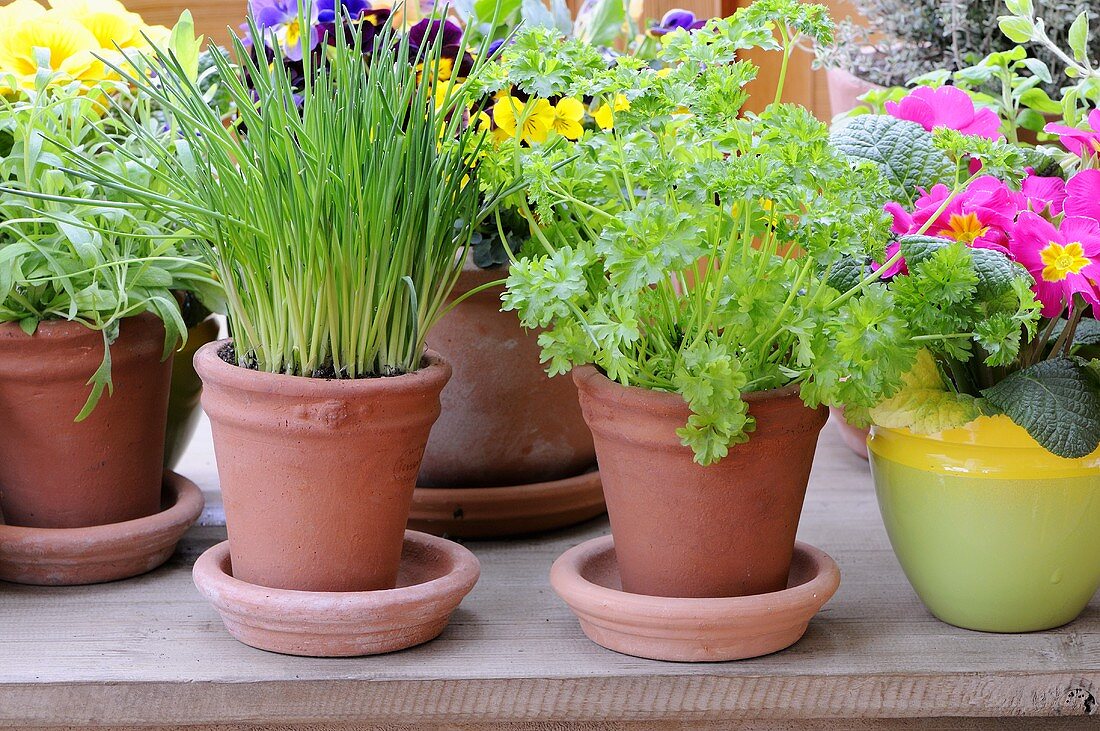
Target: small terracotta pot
(183,401)
(504,421)
(684,530)
(317,475)
(855,438)
(59,473)
(845,90)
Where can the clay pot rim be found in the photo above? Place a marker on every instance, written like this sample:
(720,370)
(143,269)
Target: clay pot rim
(212,577)
(594,600)
(59,329)
(497,512)
(212,369)
(603,388)
(62,553)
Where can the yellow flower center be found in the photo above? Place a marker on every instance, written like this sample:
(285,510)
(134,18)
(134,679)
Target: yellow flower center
(1061,261)
(293,34)
(966,229)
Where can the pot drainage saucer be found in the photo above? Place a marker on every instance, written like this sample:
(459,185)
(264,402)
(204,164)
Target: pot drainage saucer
(690,630)
(435,575)
(496,512)
(70,556)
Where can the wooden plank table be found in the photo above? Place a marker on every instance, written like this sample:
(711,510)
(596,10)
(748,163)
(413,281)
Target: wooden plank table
(150,652)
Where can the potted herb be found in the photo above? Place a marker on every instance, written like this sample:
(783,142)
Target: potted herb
(686,262)
(328,209)
(985,462)
(504,424)
(89,318)
(894,41)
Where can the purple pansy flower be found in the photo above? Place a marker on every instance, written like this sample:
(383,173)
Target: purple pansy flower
(277,21)
(675,20)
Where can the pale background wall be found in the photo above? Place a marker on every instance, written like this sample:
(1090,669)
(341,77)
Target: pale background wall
(803,85)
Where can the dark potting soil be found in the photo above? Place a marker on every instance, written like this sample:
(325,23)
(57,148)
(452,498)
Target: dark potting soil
(228,353)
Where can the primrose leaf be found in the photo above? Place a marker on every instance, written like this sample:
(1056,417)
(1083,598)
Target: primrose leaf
(847,273)
(917,249)
(1056,401)
(995,274)
(924,404)
(902,149)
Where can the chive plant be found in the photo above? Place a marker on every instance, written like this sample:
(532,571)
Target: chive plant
(338,206)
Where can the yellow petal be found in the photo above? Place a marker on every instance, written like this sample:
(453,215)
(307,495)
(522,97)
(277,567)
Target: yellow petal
(570,109)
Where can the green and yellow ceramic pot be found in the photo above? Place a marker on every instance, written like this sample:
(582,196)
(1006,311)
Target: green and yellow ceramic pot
(183,401)
(994,532)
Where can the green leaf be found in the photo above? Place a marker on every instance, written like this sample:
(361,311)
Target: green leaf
(847,273)
(99,381)
(1039,69)
(1020,7)
(600,22)
(924,404)
(1079,37)
(1040,101)
(903,150)
(1018,30)
(1057,402)
(995,273)
(501,10)
(917,249)
(185,45)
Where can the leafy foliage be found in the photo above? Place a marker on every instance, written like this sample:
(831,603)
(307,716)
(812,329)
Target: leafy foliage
(71,249)
(902,39)
(1056,401)
(691,247)
(907,155)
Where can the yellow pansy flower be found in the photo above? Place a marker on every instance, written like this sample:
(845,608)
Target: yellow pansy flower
(537,116)
(61,42)
(568,114)
(605,115)
(108,20)
(485,124)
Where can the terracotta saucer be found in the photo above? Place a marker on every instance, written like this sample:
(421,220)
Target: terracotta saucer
(70,556)
(435,575)
(690,630)
(496,512)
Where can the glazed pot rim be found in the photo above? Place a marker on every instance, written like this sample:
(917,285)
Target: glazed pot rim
(212,369)
(595,379)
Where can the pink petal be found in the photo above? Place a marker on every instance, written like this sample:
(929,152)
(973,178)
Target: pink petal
(1084,231)
(903,222)
(986,124)
(913,109)
(1044,192)
(1083,194)
(1030,235)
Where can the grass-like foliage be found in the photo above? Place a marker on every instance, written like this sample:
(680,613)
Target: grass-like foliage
(334,209)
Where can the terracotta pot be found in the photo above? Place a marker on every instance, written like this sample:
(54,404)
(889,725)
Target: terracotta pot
(855,438)
(845,90)
(59,473)
(317,475)
(504,421)
(684,530)
(183,400)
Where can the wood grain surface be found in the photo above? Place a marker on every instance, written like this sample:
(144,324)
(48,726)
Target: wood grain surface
(150,652)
